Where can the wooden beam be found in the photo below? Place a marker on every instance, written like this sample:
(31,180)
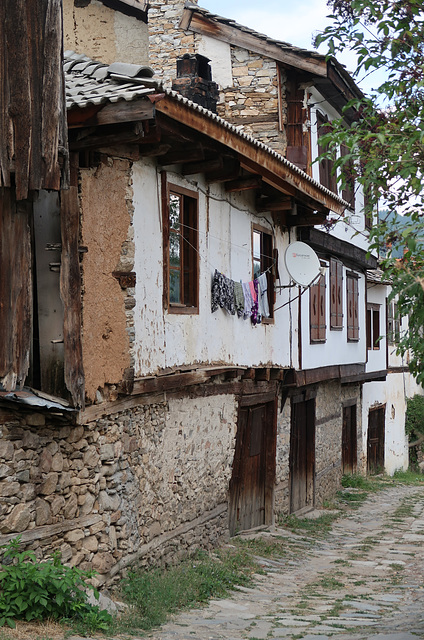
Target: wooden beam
(213,164)
(270,204)
(232,35)
(111,113)
(244,184)
(185,154)
(229,171)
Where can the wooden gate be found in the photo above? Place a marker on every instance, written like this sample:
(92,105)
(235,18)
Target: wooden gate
(375,443)
(302,454)
(253,476)
(349,438)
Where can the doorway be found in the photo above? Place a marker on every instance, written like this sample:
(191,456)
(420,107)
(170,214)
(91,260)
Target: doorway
(376,438)
(302,454)
(253,476)
(349,437)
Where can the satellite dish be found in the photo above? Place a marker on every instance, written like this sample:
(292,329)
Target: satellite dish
(302,263)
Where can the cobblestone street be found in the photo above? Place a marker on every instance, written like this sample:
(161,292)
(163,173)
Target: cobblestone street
(363,581)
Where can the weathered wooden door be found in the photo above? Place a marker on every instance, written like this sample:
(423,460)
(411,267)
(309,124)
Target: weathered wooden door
(251,486)
(302,454)
(349,439)
(375,444)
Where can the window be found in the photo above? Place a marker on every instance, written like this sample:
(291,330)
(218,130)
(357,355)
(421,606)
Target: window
(336,294)
(393,323)
(373,326)
(180,247)
(263,262)
(348,192)
(317,311)
(352,307)
(326,176)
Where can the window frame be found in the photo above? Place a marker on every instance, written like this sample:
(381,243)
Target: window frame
(336,295)
(267,261)
(352,278)
(318,329)
(327,178)
(190,256)
(373,323)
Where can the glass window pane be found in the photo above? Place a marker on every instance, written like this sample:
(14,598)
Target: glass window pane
(257,245)
(174,211)
(256,268)
(174,249)
(174,286)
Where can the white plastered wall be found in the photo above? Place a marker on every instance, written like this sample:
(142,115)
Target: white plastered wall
(225,237)
(219,54)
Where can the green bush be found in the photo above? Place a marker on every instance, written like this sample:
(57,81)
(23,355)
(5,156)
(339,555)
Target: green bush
(32,590)
(414,425)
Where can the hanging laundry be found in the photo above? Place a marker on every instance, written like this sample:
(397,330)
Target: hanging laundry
(255,316)
(263,298)
(222,293)
(248,300)
(239,298)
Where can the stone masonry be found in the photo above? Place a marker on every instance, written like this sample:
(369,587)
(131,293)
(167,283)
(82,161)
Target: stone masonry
(145,485)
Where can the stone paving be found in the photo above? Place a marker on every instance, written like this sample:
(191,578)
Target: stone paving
(364,581)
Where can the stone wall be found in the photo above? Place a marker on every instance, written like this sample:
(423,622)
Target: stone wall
(282,486)
(148,484)
(253,100)
(166,40)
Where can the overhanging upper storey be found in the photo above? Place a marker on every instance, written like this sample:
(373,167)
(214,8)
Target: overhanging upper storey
(123,105)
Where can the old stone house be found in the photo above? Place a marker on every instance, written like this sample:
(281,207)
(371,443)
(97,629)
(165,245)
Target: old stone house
(152,422)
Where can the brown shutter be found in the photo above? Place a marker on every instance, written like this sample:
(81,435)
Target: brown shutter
(317,311)
(326,177)
(352,308)
(297,151)
(348,192)
(336,295)
(369,339)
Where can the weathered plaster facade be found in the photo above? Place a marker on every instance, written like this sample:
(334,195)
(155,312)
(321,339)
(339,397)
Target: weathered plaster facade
(106,213)
(104,34)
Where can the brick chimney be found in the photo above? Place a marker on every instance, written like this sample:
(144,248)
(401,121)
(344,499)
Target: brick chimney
(194,81)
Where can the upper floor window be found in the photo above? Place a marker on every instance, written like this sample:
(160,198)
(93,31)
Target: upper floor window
(317,311)
(348,193)
(393,323)
(373,326)
(336,294)
(326,176)
(352,307)
(180,242)
(263,262)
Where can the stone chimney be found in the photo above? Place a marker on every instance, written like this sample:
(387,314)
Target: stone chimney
(194,81)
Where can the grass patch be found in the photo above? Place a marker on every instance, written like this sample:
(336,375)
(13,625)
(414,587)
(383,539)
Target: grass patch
(155,594)
(328,582)
(356,481)
(265,547)
(315,527)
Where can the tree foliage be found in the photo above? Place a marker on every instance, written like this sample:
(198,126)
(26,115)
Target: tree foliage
(385,141)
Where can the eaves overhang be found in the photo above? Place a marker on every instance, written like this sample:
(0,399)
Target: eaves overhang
(254,156)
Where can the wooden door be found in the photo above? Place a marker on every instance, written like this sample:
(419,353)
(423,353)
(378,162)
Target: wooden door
(302,455)
(253,476)
(375,443)
(349,439)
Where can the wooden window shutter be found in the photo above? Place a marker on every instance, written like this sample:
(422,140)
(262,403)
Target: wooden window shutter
(297,151)
(326,176)
(352,309)
(317,311)
(348,192)
(336,294)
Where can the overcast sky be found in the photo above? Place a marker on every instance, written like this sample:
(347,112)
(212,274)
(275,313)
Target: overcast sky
(293,21)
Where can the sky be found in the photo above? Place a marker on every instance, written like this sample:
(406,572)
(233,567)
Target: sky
(293,21)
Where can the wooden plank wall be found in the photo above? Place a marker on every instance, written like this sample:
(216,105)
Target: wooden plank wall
(33,138)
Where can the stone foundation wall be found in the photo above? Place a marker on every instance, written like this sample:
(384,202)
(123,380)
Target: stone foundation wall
(148,484)
(282,487)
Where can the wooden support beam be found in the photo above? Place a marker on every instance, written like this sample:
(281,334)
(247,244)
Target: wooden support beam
(263,375)
(213,164)
(244,184)
(112,113)
(185,154)
(270,204)
(229,171)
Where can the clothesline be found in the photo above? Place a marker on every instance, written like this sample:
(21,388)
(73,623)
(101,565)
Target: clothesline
(246,299)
